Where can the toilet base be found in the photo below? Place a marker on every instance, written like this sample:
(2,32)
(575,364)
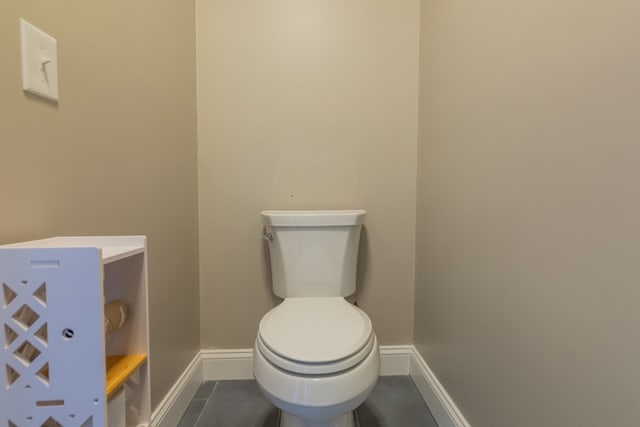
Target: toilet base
(288,420)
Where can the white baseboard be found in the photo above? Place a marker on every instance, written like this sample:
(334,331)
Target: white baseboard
(443,409)
(171,408)
(236,364)
(395,359)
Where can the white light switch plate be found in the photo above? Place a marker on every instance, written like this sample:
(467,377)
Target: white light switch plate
(39,62)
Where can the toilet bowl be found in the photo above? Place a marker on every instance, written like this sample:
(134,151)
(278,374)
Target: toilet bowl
(316,359)
(316,356)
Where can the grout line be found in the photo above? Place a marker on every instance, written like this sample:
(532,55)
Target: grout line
(206,404)
(200,414)
(215,385)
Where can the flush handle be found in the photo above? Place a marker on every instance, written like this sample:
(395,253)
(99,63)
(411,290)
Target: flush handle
(268,237)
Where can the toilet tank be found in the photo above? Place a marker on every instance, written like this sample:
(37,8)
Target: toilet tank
(313,253)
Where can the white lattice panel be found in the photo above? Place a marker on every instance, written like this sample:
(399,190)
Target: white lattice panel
(52,367)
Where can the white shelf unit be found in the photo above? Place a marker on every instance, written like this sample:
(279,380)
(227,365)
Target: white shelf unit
(53,350)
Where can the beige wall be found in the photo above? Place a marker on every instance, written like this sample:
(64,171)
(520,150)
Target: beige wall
(305,105)
(117,155)
(527,263)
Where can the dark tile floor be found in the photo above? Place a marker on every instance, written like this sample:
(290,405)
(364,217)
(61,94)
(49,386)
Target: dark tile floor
(394,402)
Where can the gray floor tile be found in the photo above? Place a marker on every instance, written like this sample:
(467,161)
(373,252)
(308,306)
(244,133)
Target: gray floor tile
(205,389)
(192,413)
(395,401)
(238,403)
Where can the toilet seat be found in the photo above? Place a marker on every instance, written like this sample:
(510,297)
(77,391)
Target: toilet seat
(314,368)
(315,335)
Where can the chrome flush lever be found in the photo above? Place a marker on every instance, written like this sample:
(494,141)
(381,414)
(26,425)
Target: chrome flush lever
(268,237)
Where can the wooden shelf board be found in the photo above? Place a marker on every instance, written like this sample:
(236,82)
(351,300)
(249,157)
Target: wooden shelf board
(119,368)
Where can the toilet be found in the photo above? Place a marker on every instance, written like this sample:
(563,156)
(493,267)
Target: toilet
(316,356)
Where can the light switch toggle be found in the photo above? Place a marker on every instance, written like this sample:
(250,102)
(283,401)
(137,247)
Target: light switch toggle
(44,61)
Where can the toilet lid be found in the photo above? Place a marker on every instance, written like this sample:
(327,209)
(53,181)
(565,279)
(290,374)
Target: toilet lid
(315,330)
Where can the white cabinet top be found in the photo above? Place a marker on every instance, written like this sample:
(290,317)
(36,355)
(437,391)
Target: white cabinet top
(113,248)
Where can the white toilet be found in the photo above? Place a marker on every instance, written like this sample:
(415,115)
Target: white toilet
(316,356)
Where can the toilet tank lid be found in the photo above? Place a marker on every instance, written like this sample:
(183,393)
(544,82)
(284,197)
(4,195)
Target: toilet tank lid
(319,218)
